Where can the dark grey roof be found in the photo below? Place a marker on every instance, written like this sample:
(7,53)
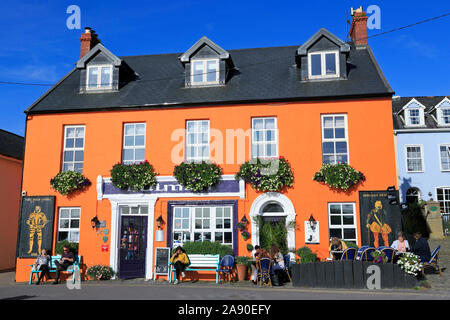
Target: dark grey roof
(260,74)
(428,102)
(11,145)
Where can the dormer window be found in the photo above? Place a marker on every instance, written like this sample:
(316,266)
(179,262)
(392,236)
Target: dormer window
(323,64)
(414,113)
(205,71)
(443,112)
(99,77)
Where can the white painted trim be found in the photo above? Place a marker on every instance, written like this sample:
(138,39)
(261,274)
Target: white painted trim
(436,199)
(99,77)
(289,213)
(205,72)
(323,74)
(440,157)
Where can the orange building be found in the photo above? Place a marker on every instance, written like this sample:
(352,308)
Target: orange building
(325,101)
(11,158)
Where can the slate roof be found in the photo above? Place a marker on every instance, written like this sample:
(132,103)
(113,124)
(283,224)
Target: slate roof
(260,75)
(11,145)
(428,102)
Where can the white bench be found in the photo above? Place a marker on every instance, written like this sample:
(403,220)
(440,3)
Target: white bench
(200,262)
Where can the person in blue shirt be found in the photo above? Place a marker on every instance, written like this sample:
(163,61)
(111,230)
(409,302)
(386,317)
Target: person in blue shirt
(421,247)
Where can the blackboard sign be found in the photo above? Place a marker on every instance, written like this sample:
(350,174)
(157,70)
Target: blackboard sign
(380,221)
(36,225)
(162,261)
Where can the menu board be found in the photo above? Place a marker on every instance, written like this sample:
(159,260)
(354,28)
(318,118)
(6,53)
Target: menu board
(162,261)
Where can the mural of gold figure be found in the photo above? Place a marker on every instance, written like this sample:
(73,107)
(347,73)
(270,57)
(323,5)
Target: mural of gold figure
(36,222)
(376,222)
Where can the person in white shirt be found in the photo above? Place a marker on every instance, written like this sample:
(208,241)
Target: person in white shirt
(400,245)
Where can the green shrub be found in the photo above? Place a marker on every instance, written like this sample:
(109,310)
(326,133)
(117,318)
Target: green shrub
(60,244)
(136,176)
(242,260)
(67,182)
(350,244)
(207,247)
(197,176)
(100,272)
(339,176)
(306,255)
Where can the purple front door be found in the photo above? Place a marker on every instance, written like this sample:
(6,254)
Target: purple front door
(133,246)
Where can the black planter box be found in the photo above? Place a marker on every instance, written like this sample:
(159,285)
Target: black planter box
(349,274)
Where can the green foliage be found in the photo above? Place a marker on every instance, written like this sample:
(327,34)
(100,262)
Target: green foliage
(242,260)
(339,176)
(60,244)
(67,182)
(272,234)
(249,247)
(197,176)
(267,175)
(207,247)
(415,221)
(350,244)
(306,255)
(136,176)
(100,272)
(379,257)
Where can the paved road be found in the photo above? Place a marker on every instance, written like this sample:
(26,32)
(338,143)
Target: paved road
(201,291)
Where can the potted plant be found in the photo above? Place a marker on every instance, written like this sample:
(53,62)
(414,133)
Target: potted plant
(136,176)
(240,226)
(241,267)
(340,176)
(67,182)
(379,257)
(245,235)
(100,272)
(197,176)
(249,247)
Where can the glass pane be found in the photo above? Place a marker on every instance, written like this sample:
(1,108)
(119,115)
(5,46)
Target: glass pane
(336,233)
(335,208)
(92,77)
(206,212)
(177,224)
(75,223)
(257,123)
(78,167)
(198,72)
(207,236)
(328,133)
(129,129)
(227,223)
(316,65)
(70,143)
(63,223)
(64,213)
(270,123)
(63,235)
(347,219)
(347,208)
(197,236)
(341,147)
(340,133)
(339,122)
(129,141)
(198,212)
(140,155)
(349,234)
(128,154)
(177,212)
(228,237)
(198,223)
(68,155)
(330,63)
(219,212)
(185,224)
(218,237)
(205,224)
(70,132)
(75,213)
(185,212)
(328,147)
(227,212)
(106,77)
(270,135)
(134,210)
(140,128)
(125,210)
(328,122)
(74,236)
(79,143)
(211,71)
(144,210)
(335,220)
(79,155)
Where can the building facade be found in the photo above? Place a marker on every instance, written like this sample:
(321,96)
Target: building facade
(308,104)
(11,159)
(422,133)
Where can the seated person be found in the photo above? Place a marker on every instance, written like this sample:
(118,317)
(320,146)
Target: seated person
(400,245)
(336,245)
(180,261)
(67,259)
(421,248)
(278,267)
(255,253)
(42,262)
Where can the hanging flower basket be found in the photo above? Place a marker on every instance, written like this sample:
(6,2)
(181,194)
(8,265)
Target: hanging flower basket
(245,235)
(136,176)
(197,176)
(339,176)
(267,175)
(67,182)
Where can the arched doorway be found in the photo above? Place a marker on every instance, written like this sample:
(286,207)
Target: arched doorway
(412,195)
(273,208)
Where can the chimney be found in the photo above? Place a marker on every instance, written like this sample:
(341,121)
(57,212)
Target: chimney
(358,29)
(88,41)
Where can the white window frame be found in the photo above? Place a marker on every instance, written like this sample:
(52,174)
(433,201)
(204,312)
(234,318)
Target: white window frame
(343,226)
(421,116)
(205,72)
(99,77)
(264,142)
(323,65)
(197,124)
(212,224)
(334,140)
(131,207)
(74,148)
(134,147)
(69,230)
(409,117)
(444,200)
(421,157)
(447,145)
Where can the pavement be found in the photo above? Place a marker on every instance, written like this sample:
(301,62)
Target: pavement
(434,288)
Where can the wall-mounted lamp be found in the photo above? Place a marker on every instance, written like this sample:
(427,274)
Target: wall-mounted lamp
(159,222)
(95,223)
(312,221)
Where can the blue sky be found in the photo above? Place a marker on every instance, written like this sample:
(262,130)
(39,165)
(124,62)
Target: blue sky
(37,47)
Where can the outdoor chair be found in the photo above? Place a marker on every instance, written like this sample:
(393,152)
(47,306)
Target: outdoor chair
(360,252)
(263,275)
(226,267)
(287,261)
(389,252)
(348,254)
(366,255)
(433,262)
